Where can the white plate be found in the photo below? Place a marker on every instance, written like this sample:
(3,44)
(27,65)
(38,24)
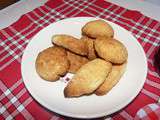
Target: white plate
(50,94)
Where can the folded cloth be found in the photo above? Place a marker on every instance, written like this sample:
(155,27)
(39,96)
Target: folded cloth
(15,100)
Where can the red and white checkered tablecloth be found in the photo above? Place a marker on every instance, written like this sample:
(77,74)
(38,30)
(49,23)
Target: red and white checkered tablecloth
(15,100)
(149,112)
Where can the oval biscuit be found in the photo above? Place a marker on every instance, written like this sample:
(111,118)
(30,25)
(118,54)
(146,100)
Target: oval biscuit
(97,28)
(88,78)
(70,43)
(112,79)
(111,50)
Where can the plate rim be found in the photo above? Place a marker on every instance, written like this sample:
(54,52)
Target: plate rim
(119,107)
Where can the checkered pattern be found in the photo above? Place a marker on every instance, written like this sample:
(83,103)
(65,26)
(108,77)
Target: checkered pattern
(16,102)
(149,112)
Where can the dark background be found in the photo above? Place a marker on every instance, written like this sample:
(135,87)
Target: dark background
(5,3)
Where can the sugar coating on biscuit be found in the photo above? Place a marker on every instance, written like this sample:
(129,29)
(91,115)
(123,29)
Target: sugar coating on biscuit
(88,78)
(97,28)
(111,50)
(70,43)
(52,63)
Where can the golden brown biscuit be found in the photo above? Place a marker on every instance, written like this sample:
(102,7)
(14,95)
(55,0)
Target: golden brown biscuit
(88,78)
(97,28)
(111,50)
(73,44)
(52,63)
(76,61)
(90,47)
(112,79)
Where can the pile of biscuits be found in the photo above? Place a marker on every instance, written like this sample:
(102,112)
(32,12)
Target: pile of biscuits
(97,59)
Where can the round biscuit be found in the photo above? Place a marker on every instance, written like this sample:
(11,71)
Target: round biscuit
(52,63)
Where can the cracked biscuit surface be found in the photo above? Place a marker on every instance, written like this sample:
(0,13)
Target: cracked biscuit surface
(52,63)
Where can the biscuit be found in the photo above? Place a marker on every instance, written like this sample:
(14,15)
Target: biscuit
(73,44)
(91,54)
(76,61)
(112,79)
(52,63)
(111,50)
(88,78)
(97,28)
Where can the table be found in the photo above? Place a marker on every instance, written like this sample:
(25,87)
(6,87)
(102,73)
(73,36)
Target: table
(10,14)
